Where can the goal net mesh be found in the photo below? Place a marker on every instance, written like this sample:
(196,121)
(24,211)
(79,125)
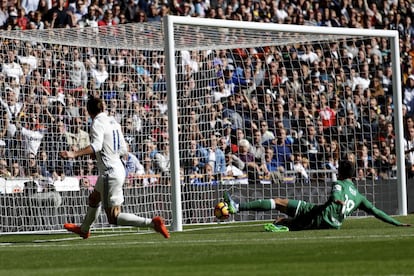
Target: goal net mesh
(262,114)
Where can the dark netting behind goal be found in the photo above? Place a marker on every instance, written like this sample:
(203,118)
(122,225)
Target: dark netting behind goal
(262,114)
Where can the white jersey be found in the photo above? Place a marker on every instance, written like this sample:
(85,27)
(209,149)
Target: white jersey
(108,143)
(32,140)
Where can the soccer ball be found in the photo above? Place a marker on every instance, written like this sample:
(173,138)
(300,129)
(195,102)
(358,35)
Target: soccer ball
(221,211)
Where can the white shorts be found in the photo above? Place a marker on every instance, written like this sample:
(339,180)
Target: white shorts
(110,188)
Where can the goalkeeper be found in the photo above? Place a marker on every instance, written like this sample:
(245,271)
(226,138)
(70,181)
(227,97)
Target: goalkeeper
(343,201)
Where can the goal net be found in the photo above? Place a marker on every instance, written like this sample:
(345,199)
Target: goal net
(206,106)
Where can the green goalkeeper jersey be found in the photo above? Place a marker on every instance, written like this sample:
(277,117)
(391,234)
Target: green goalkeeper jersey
(345,191)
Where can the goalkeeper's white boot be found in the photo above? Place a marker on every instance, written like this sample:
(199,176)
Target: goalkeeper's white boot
(77,230)
(233,206)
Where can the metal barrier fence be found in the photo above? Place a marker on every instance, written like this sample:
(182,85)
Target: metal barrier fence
(48,211)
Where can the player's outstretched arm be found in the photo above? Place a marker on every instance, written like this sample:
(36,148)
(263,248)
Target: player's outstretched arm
(379,214)
(368,207)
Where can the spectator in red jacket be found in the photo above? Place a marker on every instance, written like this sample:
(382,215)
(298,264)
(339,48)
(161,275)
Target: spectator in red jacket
(107,19)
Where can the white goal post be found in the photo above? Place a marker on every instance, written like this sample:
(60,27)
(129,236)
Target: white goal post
(291,35)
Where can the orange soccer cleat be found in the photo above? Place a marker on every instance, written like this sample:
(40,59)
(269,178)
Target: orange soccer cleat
(77,230)
(159,226)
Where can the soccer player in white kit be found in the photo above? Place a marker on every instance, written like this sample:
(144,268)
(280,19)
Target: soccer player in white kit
(108,145)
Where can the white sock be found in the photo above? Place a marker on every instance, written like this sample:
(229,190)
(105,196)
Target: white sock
(272,201)
(125,219)
(90,217)
(236,205)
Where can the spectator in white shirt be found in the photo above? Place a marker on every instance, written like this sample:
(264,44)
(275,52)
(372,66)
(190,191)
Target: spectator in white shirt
(11,68)
(28,56)
(31,136)
(100,74)
(133,166)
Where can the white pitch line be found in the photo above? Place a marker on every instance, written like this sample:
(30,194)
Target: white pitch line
(221,227)
(279,237)
(134,233)
(57,240)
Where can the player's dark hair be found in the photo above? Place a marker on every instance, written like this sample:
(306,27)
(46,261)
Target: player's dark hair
(346,169)
(94,105)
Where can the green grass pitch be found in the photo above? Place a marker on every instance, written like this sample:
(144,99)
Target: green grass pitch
(362,247)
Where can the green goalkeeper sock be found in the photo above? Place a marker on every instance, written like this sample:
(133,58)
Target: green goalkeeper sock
(258,205)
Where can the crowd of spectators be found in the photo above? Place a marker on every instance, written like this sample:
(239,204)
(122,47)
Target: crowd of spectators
(264,111)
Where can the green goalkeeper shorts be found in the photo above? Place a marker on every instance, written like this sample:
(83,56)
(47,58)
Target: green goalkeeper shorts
(305,215)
